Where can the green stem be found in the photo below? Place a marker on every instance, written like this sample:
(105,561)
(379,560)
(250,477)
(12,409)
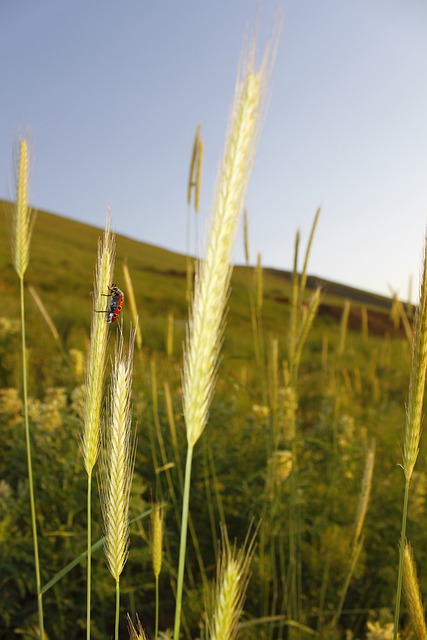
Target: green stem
(401,551)
(30,466)
(156,633)
(183,542)
(116,632)
(356,551)
(89,553)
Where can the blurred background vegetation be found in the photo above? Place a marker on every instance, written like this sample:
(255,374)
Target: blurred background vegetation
(352,389)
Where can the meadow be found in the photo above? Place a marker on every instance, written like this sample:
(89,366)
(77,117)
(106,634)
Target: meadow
(290,446)
(347,397)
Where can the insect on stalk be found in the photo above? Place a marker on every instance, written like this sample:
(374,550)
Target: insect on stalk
(116,303)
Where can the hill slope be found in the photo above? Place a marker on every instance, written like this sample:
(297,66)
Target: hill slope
(63,254)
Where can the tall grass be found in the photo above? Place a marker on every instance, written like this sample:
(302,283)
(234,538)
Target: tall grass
(94,388)
(130,296)
(414,413)
(302,461)
(213,278)
(23,222)
(255,304)
(193,197)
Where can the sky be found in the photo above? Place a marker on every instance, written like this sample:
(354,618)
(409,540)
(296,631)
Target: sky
(110,95)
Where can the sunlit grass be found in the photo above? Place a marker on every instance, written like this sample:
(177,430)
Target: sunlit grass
(298,403)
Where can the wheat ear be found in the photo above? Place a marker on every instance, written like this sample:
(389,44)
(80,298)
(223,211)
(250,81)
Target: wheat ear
(117,465)
(412,595)
(195,177)
(118,460)
(157,533)
(98,349)
(23,219)
(417,381)
(213,276)
(169,334)
(230,590)
(204,333)
(365,492)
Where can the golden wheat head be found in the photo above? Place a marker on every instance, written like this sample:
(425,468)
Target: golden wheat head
(97,351)
(412,595)
(417,380)
(213,277)
(118,460)
(365,492)
(230,589)
(23,218)
(157,532)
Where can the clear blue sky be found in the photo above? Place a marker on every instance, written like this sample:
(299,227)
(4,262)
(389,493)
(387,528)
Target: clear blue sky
(111,94)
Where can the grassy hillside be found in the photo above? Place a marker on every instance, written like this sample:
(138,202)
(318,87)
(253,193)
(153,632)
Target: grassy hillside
(290,453)
(61,271)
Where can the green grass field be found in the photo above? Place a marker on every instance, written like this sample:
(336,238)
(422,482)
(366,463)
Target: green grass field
(295,471)
(61,272)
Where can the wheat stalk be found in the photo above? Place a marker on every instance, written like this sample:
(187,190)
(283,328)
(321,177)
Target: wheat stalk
(259,289)
(304,273)
(200,152)
(90,437)
(246,236)
(413,416)
(205,328)
(344,326)
(22,225)
(358,539)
